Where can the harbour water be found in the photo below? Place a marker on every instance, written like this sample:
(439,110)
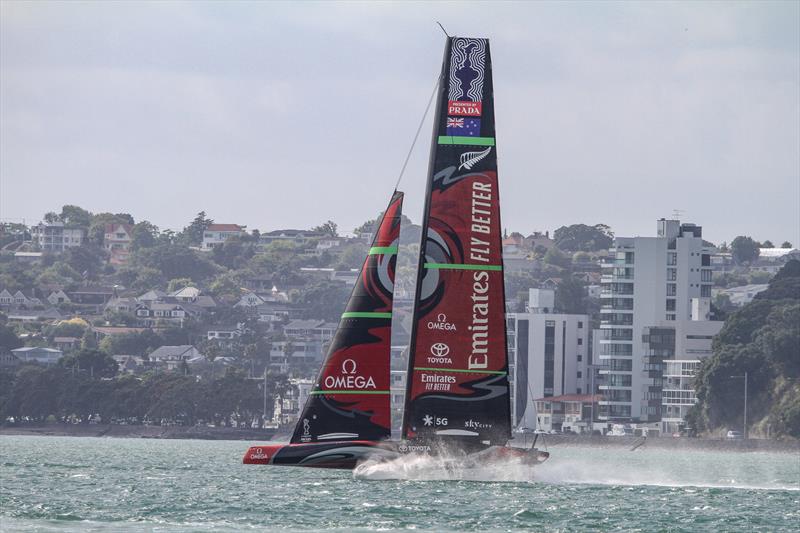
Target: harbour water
(105,484)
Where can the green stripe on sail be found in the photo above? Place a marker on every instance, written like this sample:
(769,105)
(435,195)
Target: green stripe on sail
(461,370)
(462,266)
(365,314)
(377,250)
(350,392)
(471,141)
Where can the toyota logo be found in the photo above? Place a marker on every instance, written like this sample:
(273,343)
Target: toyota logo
(348,367)
(440,349)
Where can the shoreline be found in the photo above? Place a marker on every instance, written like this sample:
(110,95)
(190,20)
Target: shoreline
(223,433)
(56,429)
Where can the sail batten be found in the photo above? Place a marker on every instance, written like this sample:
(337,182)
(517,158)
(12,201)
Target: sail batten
(457,385)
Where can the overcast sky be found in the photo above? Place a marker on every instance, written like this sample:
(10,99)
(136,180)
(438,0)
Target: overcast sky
(285,115)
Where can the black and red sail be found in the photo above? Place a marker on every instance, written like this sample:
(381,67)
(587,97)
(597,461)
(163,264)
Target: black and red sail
(458,365)
(351,397)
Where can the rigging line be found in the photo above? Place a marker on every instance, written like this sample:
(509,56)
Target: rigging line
(444,30)
(416,136)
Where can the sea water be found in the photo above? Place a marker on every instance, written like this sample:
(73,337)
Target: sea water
(107,484)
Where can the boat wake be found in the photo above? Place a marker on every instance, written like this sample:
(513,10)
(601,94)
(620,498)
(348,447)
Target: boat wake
(444,468)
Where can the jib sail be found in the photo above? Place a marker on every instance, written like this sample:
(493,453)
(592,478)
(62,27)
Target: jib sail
(458,365)
(351,397)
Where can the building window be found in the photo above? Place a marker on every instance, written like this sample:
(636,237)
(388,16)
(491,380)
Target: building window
(580,374)
(580,358)
(672,274)
(670,316)
(580,341)
(672,258)
(670,304)
(580,324)
(705,291)
(672,289)
(705,275)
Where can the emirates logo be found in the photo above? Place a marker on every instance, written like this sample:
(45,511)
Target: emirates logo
(440,349)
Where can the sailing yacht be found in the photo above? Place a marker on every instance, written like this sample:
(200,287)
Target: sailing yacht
(457,398)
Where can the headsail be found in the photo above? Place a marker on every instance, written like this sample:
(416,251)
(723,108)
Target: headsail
(351,397)
(458,366)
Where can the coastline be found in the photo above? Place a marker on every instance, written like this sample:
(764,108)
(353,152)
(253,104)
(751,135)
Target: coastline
(56,429)
(223,433)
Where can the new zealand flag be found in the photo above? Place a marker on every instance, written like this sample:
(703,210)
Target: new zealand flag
(464,127)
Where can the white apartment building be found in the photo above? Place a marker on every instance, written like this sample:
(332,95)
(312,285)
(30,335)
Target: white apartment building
(649,285)
(55,237)
(548,355)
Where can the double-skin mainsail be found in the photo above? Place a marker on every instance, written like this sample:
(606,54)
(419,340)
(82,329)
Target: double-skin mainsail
(457,387)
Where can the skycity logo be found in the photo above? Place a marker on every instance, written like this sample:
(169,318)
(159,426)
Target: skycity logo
(349,379)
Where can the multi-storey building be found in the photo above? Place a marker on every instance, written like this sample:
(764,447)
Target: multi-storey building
(117,241)
(548,355)
(55,237)
(649,285)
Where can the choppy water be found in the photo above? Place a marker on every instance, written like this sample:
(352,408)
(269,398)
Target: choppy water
(91,484)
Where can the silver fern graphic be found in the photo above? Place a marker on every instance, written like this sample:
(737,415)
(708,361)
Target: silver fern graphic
(469,159)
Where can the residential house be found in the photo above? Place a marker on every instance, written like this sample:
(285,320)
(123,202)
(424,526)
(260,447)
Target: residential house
(67,343)
(568,412)
(19,299)
(117,242)
(744,294)
(186,294)
(172,356)
(151,296)
(38,354)
(288,408)
(58,296)
(297,236)
(126,304)
(130,364)
(225,333)
(771,260)
(217,234)
(55,237)
(150,314)
(93,295)
(32,315)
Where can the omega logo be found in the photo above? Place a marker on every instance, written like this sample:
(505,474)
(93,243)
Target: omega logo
(348,367)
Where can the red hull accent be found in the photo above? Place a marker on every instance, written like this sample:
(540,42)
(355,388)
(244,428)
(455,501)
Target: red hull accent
(342,454)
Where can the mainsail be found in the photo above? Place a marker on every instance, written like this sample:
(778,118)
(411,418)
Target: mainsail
(351,397)
(458,366)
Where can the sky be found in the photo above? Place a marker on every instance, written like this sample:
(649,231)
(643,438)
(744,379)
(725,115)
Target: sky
(285,115)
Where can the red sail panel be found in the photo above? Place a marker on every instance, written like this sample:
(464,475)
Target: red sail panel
(351,397)
(458,368)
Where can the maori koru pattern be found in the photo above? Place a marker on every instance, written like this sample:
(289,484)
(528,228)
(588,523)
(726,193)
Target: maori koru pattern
(467,70)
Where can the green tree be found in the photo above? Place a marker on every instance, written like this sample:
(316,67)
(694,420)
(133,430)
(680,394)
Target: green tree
(555,257)
(72,215)
(786,244)
(85,259)
(328,228)
(193,233)
(175,261)
(325,300)
(97,363)
(144,235)
(767,244)
(8,338)
(744,249)
(178,284)
(580,237)
(571,297)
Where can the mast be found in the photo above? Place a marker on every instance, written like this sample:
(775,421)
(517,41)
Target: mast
(351,396)
(457,384)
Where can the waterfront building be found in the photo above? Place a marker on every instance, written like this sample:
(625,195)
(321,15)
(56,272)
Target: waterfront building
(655,303)
(548,355)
